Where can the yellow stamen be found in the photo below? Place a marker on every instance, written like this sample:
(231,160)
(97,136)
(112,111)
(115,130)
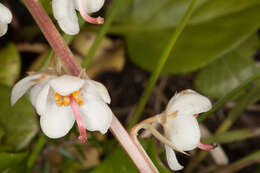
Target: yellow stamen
(75,95)
(59,102)
(196,115)
(58,99)
(66,100)
(79,101)
(57,96)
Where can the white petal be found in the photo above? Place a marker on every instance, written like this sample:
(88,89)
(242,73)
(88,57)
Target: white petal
(5,14)
(42,100)
(172,160)
(3,28)
(68,26)
(96,89)
(34,92)
(96,115)
(21,87)
(64,12)
(184,132)
(188,102)
(66,84)
(57,121)
(91,6)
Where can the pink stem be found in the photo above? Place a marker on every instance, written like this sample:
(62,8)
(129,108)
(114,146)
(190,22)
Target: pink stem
(206,146)
(53,36)
(78,118)
(140,158)
(61,49)
(85,16)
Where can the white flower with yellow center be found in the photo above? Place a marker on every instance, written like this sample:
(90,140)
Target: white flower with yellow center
(64,12)
(60,100)
(5,19)
(181,126)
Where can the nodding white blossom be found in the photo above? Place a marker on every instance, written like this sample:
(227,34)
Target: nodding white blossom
(5,19)
(60,100)
(181,126)
(64,12)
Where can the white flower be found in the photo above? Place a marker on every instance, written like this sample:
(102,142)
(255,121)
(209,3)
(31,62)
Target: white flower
(181,126)
(60,100)
(64,12)
(5,19)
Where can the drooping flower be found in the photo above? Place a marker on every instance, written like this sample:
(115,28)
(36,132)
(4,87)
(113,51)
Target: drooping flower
(5,19)
(64,12)
(60,100)
(181,126)
(181,129)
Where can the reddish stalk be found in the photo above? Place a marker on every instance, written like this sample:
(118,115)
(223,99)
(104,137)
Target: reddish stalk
(53,36)
(141,160)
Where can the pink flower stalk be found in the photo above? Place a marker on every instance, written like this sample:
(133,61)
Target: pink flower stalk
(85,16)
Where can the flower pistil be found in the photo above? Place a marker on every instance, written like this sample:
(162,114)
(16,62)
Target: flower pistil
(73,100)
(78,118)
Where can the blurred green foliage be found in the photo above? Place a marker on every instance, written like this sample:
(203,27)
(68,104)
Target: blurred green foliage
(118,161)
(10,64)
(47,5)
(19,122)
(9,160)
(229,71)
(210,34)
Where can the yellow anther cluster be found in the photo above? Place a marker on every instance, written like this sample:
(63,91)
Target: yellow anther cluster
(196,115)
(77,98)
(58,99)
(65,100)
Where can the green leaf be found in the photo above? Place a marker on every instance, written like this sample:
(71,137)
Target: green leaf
(18,122)
(217,8)
(118,161)
(229,71)
(8,160)
(199,44)
(168,13)
(10,64)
